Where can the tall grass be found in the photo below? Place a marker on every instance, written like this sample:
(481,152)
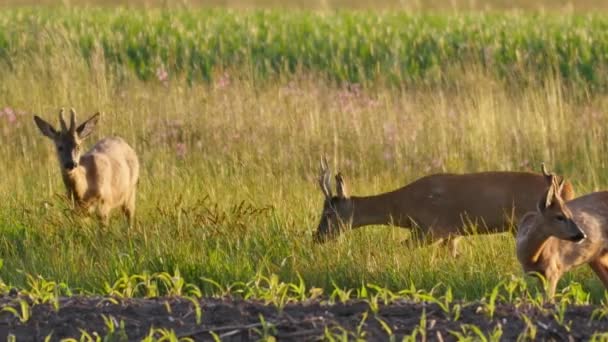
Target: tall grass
(352,46)
(416,5)
(228,187)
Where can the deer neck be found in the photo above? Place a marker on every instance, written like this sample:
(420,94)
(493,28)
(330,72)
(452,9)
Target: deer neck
(75,182)
(530,247)
(375,210)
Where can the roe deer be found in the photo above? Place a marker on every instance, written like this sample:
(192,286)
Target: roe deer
(438,206)
(561,235)
(105,177)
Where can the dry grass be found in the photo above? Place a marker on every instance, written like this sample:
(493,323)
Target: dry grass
(207,148)
(410,5)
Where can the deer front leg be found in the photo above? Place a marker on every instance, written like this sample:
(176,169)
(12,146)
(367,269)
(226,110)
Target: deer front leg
(103,212)
(600,267)
(452,243)
(552,279)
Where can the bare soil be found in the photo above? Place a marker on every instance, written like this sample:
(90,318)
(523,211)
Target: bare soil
(239,320)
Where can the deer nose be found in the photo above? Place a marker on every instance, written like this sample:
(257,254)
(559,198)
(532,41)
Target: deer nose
(578,238)
(70,165)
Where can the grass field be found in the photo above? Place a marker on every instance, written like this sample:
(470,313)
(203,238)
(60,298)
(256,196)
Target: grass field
(415,5)
(398,48)
(230,154)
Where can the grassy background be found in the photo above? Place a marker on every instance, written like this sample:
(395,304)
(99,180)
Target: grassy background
(398,48)
(228,186)
(414,5)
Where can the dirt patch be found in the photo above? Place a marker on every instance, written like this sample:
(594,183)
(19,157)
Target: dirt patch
(234,319)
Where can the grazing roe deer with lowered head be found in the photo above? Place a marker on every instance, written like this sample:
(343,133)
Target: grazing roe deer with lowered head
(438,206)
(105,177)
(561,235)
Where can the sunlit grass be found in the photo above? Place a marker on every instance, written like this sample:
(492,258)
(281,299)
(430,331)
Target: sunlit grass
(434,5)
(228,187)
(397,47)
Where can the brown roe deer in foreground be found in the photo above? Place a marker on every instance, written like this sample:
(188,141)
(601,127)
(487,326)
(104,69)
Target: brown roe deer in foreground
(561,235)
(438,206)
(103,178)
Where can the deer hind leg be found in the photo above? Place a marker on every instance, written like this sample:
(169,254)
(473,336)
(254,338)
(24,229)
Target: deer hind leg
(129,208)
(600,267)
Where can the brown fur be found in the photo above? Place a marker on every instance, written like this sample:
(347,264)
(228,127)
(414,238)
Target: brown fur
(544,244)
(104,178)
(440,205)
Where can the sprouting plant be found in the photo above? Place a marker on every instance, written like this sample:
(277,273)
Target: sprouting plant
(335,334)
(164,335)
(298,290)
(360,332)
(601,311)
(315,292)
(124,287)
(491,303)
(559,313)
(197,309)
(272,290)
(42,291)
(386,328)
(516,288)
(267,330)
(215,336)
(452,311)
(599,337)
(384,294)
(342,295)
(575,294)
(362,292)
(23,315)
(175,285)
(115,331)
(373,303)
(86,337)
(529,331)
(471,332)
(222,291)
(419,332)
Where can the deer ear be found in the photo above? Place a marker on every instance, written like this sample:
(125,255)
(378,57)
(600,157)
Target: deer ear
(87,127)
(45,127)
(341,188)
(560,187)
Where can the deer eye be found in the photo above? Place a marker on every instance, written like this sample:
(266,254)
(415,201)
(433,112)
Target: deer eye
(60,148)
(560,218)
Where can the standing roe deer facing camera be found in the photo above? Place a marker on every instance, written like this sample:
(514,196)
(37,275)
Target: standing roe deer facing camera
(105,177)
(439,206)
(561,235)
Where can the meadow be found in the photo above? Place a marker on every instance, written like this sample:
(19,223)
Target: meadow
(398,48)
(230,112)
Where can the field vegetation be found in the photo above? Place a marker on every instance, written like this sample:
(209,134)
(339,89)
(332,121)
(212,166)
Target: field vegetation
(347,46)
(230,112)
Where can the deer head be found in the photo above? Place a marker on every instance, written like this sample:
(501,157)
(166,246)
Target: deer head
(557,219)
(68,139)
(337,210)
